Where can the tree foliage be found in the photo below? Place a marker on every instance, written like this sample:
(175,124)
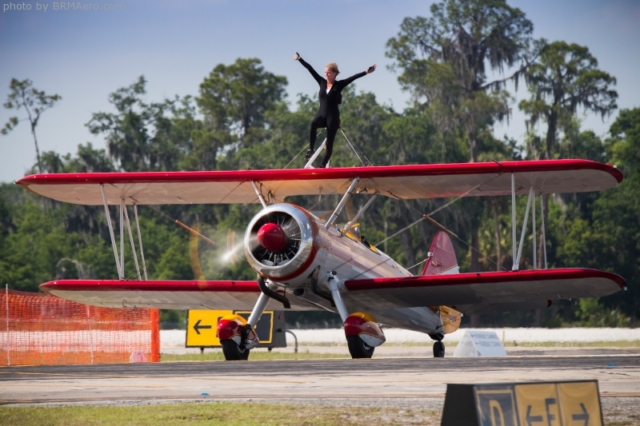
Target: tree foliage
(564,78)
(24,96)
(446,59)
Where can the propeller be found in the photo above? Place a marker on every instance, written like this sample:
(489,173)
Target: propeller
(234,247)
(275,239)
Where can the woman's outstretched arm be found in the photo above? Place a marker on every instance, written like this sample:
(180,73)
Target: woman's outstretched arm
(349,80)
(313,72)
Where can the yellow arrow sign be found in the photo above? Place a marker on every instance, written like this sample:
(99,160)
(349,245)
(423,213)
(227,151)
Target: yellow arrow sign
(202,328)
(538,404)
(580,403)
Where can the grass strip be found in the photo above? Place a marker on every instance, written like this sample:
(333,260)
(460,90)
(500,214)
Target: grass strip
(215,413)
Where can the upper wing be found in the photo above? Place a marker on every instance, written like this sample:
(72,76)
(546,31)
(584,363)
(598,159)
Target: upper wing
(402,182)
(486,292)
(235,295)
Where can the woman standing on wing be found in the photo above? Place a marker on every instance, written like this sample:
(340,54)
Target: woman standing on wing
(330,96)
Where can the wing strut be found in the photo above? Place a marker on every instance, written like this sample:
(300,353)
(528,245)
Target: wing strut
(315,155)
(533,231)
(113,238)
(354,149)
(133,247)
(513,220)
(335,285)
(259,194)
(144,265)
(544,236)
(516,264)
(531,204)
(124,222)
(360,213)
(342,203)
(122,236)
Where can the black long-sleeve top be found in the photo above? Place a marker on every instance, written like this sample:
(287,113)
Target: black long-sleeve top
(329,101)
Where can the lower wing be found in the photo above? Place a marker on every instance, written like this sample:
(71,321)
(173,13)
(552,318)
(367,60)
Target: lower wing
(486,292)
(234,295)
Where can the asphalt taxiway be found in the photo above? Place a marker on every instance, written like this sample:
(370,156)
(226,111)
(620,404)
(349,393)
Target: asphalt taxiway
(391,378)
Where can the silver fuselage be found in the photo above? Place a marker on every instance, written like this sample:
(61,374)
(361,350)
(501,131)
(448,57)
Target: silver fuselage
(323,251)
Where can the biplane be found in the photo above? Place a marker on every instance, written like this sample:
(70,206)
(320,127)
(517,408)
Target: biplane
(307,262)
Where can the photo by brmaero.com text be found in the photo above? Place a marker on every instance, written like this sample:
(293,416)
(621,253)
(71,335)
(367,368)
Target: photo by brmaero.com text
(59,6)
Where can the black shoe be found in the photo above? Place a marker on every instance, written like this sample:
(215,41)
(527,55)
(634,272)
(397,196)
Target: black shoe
(308,154)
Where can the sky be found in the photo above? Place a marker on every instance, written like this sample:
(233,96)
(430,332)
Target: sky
(84,55)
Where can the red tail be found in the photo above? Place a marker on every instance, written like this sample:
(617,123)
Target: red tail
(442,257)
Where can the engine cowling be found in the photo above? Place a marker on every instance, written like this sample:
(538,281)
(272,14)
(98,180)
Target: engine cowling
(279,241)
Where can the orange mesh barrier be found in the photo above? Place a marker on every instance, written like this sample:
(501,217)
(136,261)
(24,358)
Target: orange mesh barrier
(37,329)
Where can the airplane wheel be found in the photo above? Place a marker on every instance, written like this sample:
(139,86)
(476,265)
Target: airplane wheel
(438,350)
(359,349)
(233,352)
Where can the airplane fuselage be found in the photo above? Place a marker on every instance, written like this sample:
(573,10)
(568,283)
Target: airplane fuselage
(316,253)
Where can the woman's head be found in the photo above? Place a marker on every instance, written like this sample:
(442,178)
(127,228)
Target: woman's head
(331,71)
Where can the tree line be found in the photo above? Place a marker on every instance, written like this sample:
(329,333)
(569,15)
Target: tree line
(461,65)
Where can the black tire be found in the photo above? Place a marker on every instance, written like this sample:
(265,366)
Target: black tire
(359,349)
(233,352)
(438,350)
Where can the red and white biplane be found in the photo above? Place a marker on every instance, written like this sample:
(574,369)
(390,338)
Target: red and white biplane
(307,263)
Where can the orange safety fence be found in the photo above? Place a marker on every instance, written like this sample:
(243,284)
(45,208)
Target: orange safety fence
(38,329)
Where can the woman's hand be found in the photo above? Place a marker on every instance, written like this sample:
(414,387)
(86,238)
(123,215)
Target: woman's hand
(296,56)
(371,69)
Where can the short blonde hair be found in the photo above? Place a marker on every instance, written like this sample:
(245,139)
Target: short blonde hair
(333,67)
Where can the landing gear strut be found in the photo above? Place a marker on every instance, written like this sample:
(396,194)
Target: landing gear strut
(362,331)
(438,349)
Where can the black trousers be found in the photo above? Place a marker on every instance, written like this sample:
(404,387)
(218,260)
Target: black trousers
(332,127)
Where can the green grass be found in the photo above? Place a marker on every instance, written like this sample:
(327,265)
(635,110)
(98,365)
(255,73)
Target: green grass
(236,413)
(214,413)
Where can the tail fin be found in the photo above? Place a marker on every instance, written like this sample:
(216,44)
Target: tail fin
(442,257)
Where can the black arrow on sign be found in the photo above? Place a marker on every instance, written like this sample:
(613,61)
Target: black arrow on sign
(530,419)
(197,327)
(583,416)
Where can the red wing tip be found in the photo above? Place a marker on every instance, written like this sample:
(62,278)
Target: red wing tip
(157,285)
(470,277)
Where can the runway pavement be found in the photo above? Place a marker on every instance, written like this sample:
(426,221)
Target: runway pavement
(383,380)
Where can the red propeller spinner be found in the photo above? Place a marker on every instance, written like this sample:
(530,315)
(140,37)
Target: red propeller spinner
(272,237)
